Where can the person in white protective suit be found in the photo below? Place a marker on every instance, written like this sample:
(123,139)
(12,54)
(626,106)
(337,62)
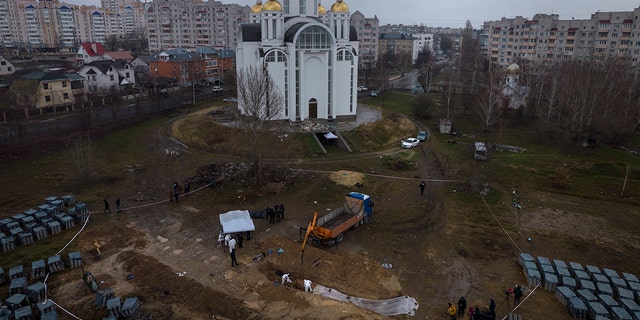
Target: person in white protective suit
(285,278)
(226,240)
(307,285)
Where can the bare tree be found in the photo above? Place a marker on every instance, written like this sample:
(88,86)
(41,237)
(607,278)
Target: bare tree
(489,104)
(426,70)
(405,61)
(470,57)
(449,95)
(259,103)
(380,74)
(81,149)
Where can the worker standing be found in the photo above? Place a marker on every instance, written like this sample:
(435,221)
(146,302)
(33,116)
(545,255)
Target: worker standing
(232,251)
(452,311)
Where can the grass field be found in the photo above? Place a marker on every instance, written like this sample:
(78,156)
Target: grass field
(571,195)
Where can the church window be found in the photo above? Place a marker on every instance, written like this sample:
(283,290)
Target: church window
(314,37)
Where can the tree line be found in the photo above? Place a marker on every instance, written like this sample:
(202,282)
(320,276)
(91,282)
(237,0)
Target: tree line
(580,100)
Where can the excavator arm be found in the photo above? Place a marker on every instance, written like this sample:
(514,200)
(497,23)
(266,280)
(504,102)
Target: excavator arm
(312,225)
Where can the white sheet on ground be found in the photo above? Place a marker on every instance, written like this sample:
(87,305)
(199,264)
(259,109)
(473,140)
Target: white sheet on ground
(389,307)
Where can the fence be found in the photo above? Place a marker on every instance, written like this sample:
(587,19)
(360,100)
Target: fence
(20,131)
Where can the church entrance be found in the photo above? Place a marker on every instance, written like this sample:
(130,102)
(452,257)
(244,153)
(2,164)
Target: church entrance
(313,108)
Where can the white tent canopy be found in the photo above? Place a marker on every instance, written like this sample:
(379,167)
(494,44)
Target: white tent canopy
(236,221)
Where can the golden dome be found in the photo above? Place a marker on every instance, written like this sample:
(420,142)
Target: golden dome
(339,6)
(272,5)
(257,7)
(321,9)
(513,69)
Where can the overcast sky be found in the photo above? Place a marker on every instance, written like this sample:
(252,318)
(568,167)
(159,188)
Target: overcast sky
(454,13)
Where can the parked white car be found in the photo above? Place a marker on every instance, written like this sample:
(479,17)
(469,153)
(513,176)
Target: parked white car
(362,89)
(216,89)
(410,143)
(373,93)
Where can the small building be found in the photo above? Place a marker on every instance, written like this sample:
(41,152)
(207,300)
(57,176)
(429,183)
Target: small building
(6,67)
(515,96)
(104,76)
(88,52)
(40,89)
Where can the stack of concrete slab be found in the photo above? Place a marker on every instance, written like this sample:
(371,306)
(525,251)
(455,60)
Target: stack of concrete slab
(586,295)
(66,221)
(40,215)
(18,218)
(597,309)
(68,199)
(81,212)
(38,269)
(54,227)
(58,203)
(569,282)
(564,294)
(18,285)
(525,257)
(630,305)
(8,243)
(130,306)
(46,307)
(619,313)
(23,313)
(36,292)
(588,292)
(16,301)
(16,272)
(55,264)
(604,287)
(40,233)
(102,296)
(27,220)
(25,238)
(5,314)
(113,307)
(75,259)
(51,315)
(608,300)
(49,209)
(577,308)
(550,281)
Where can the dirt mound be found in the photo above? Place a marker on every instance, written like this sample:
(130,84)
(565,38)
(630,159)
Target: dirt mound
(346,178)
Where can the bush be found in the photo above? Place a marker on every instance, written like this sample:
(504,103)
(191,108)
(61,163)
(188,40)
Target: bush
(423,106)
(561,177)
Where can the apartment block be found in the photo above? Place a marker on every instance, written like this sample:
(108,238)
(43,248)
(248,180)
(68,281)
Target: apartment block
(545,38)
(193,23)
(53,26)
(368,34)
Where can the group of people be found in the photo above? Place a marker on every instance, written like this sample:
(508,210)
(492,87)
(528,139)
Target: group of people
(489,314)
(474,312)
(275,214)
(107,208)
(175,190)
(231,241)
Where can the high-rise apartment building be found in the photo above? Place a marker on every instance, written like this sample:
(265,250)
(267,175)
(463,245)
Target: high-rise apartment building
(546,38)
(54,26)
(368,34)
(193,23)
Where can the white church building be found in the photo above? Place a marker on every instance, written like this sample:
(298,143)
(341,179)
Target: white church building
(311,54)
